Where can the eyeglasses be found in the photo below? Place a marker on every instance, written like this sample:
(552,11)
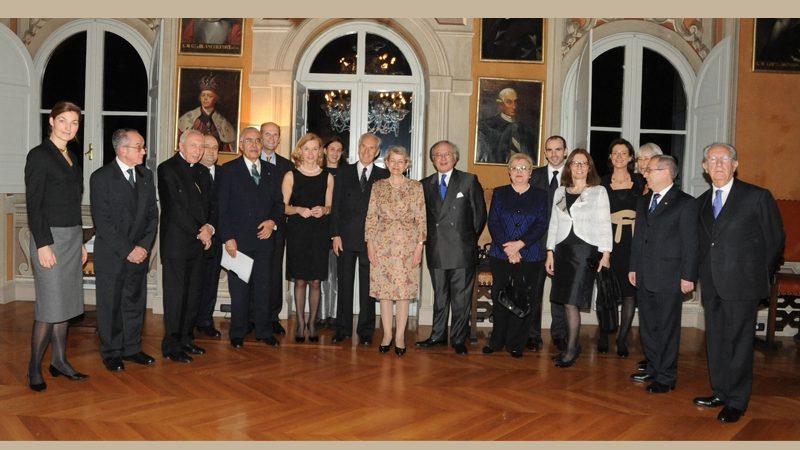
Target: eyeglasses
(580,164)
(722,159)
(648,170)
(441,155)
(249,141)
(520,168)
(138,148)
(644,158)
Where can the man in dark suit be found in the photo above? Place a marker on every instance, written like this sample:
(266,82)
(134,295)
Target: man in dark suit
(125,215)
(351,193)
(663,267)
(456,214)
(741,242)
(212,256)
(188,207)
(277,168)
(250,206)
(548,178)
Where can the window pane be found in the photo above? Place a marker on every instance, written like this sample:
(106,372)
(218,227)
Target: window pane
(384,58)
(329,115)
(124,76)
(75,146)
(338,56)
(390,119)
(607,78)
(65,74)
(114,123)
(600,141)
(671,144)
(663,96)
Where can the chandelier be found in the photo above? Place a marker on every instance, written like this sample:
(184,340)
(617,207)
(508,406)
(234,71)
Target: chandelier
(383,115)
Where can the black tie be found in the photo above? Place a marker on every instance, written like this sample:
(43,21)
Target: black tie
(363,180)
(130,178)
(554,181)
(254,174)
(654,203)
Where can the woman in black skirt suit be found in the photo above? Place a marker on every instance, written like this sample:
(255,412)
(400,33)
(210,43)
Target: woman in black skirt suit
(53,189)
(578,244)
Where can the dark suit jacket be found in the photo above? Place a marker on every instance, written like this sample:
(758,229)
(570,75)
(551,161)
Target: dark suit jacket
(282,165)
(214,250)
(664,249)
(243,205)
(123,217)
(740,250)
(349,209)
(454,223)
(187,203)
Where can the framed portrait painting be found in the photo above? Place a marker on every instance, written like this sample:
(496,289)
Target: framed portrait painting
(512,40)
(509,119)
(212,36)
(208,101)
(776,45)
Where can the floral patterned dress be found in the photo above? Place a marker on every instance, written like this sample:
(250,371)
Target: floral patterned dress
(395,225)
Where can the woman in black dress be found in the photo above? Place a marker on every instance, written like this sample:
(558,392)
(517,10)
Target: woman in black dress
(307,193)
(53,189)
(333,150)
(624,187)
(578,244)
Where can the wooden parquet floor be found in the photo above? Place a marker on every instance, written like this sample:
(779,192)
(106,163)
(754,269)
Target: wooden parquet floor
(332,392)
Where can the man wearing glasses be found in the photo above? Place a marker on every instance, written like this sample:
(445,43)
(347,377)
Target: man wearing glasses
(741,242)
(125,216)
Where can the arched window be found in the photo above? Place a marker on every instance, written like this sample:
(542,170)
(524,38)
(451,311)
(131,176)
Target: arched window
(361,77)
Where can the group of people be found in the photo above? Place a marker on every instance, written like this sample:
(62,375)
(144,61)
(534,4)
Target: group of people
(561,220)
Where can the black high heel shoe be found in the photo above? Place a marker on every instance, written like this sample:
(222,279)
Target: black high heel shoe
(622,349)
(299,337)
(77,376)
(311,338)
(38,387)
(564,363)
(602,343)
(399,351)
(385,348)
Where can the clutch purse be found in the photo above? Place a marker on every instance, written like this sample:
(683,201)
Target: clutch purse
(510,297)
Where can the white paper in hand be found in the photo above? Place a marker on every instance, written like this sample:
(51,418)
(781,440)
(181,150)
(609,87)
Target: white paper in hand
(241,265)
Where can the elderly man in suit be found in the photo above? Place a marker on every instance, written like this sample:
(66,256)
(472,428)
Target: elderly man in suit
(250,206)
(741,242)
(663,267)
(456,215)
(548,178)
(277,168)
(125,215)
(351,193)
(188,208)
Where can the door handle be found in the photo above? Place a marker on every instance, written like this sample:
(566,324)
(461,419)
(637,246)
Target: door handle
(90,153)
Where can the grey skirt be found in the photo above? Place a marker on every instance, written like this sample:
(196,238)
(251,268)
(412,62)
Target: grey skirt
(59,290)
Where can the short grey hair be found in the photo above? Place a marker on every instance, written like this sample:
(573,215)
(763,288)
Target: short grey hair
(453,146)
(650,147)
(668,161)
(398,150)
(186,134)
(241,135)
(731,149)
(120,138)
(372,135)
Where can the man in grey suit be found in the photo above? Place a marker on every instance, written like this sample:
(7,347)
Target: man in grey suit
(125,215)
(456,214)
(663,267)
(741,242)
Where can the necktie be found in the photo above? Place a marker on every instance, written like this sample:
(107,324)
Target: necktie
(363,180)
(443,186)
(717,205)
(254,174)
(130,178)
(554,181)
(654,203)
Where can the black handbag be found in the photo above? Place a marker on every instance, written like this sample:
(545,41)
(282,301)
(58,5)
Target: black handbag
(514,299)
(609,295)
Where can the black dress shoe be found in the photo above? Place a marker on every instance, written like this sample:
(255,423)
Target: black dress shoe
(730,415)
(114,364)
(622,350)
(140,358)
(399,351)
(179,356)
(641,377)
(488,349)
(641,367)
(516,353)
(659,388)
(533,344)
(193,349)
(560,343)
(428,343)
(339,337)
(271,341)
(460,349)
(210,331)
(366,342)
(277,328)
(237,342)
(602,347)
(709,402)
(38,387)
(76,376)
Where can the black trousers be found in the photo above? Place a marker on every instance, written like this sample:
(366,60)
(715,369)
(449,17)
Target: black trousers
(507,329)
(181,280)
(121,303)
(452,290)
(344,307)
(208,291)
(255,292)
(276,280)
(660,330)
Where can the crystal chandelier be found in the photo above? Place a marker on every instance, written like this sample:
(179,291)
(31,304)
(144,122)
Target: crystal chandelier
(383,116)
(337,108)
